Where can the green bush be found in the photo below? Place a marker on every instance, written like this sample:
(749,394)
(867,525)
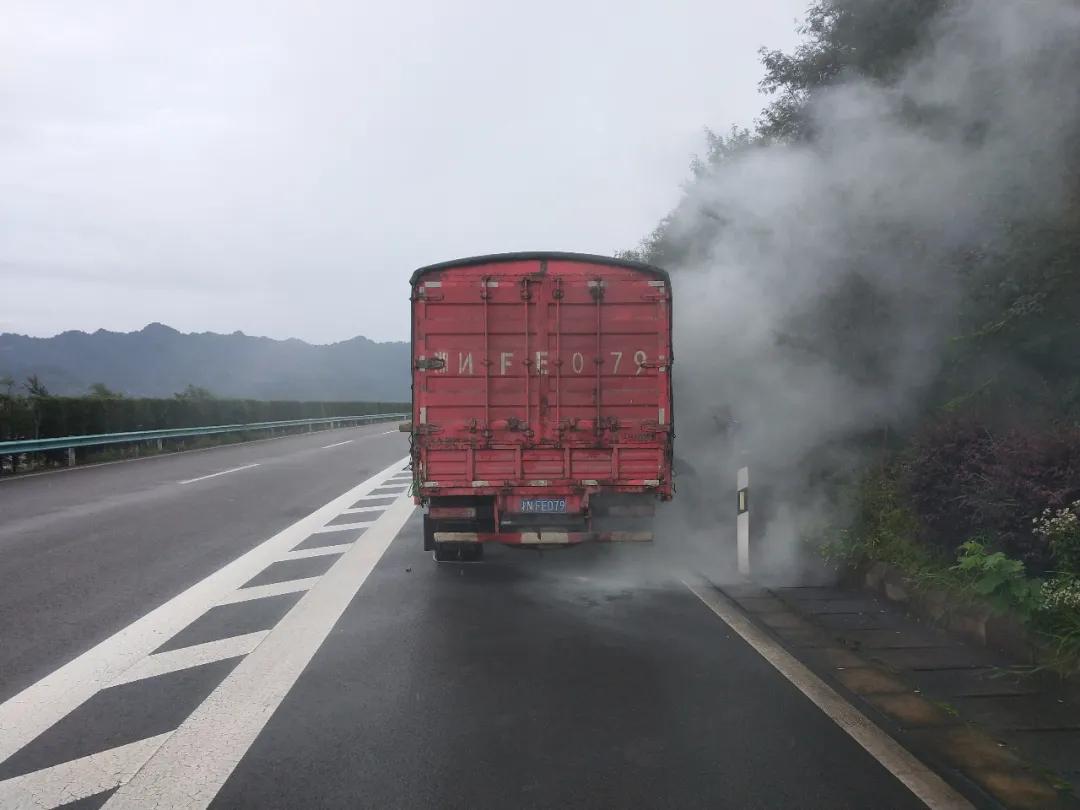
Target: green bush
(1001,581)
(884,529)
(1059,619)
(47,417)
(1061,528)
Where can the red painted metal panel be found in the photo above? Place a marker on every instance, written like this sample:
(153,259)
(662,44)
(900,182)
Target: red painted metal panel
(548,368)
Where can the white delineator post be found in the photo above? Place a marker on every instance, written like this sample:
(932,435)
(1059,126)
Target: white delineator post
(742,522)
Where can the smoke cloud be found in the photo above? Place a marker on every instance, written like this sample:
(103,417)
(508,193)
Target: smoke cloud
(815,299)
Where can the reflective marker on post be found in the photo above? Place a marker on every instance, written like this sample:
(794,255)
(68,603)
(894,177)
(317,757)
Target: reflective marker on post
(742,525)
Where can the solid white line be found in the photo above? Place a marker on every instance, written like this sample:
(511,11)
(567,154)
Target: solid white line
(215,475)
(337,444)
(920,780)
(193,656)
(273,589)
(79,778)
(342,527)
(318,551)
(190,768)
(29,713)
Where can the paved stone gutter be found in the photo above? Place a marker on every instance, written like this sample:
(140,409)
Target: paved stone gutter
(1005,737)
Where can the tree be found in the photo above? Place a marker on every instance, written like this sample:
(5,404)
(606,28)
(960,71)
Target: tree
(195,393)
(871,39)
(101,391)
(35,387)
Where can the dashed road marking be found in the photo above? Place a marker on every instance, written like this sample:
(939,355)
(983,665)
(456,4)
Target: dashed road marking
(342,527)
(271,589)
(194,656)
(931,789)
(358,510)
(38,707)
(215,475)
(317,551)
(337,444)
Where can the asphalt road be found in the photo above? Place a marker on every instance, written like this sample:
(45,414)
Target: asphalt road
(85,551)
(274,637)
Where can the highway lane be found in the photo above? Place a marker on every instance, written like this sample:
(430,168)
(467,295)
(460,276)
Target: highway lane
(543,681)
(341,667)
(85,551)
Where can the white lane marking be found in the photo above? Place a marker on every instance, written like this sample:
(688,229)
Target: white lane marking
(337,444)
(919,779)
(342,527)
(388,432)
(29,713)
(318,551)
(79,778)
(273,589)
(193,656)
(190,768)
(215,475)
(358,510)
(387,496)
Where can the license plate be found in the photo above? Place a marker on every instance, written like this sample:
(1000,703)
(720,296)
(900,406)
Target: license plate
(543,504)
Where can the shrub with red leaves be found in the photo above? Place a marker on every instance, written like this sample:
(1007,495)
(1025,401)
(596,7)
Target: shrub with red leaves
(966,479)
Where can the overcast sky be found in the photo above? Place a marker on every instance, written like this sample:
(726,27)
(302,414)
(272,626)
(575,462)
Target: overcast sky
(281,167)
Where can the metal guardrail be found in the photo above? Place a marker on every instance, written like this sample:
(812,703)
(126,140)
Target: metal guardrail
(21,446)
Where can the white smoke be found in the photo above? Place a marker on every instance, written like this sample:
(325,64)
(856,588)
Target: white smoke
(899,179)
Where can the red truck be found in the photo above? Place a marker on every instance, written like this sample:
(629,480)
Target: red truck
(541,400)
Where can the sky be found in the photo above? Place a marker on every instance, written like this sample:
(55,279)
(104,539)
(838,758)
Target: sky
(280,168)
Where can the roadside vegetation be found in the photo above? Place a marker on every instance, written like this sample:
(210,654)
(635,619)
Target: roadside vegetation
(964,469)
(893,525)
(29,411)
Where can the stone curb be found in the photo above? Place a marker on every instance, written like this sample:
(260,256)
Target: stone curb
(974,622)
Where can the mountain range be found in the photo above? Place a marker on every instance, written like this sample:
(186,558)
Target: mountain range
(158,361)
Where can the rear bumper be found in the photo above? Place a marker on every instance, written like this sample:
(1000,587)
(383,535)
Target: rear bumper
(543,538)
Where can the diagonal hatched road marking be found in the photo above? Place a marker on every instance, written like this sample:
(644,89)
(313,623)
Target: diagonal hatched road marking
(41,705)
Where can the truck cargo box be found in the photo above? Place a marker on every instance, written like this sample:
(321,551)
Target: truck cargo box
(542,398)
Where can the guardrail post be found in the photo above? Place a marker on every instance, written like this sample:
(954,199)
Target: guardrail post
(160,444)
(71,457)
(742,521)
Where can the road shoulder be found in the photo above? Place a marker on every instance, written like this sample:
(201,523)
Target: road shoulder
(955,706)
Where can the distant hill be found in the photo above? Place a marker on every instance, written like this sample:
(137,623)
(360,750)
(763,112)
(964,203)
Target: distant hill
(159,361)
